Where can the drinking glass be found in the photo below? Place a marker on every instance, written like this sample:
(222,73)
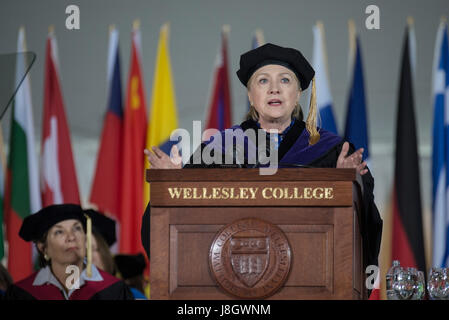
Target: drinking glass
(444,284)
(404,283)
(420,286)
(434,284)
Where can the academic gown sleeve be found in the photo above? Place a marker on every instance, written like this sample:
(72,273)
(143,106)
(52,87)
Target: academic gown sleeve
(371,222)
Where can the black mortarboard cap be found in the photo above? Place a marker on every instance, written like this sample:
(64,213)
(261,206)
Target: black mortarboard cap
(272,54)
(103,225)
(129,265)
(35,225)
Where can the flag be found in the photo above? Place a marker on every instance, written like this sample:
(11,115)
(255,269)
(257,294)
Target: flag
(323,93)
(220,111)
(163,116)
(58,176)
(106,186)
(258,40)
(22,196)
(440,156)
(356,130)
(2,193)
(135,126)
(407,238)
(375,293)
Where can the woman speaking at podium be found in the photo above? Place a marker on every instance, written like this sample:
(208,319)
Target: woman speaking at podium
(275,78)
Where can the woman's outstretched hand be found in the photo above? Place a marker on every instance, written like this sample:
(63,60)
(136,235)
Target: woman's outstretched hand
(160,160)
(352,161)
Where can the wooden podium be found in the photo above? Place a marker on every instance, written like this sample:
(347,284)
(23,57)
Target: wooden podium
(195,212)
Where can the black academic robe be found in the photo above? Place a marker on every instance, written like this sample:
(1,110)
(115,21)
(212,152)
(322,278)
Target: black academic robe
(294,150)
(111,288)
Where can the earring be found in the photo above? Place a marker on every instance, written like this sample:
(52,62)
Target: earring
(47,258)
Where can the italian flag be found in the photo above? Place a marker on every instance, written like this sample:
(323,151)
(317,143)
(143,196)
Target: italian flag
(22,196)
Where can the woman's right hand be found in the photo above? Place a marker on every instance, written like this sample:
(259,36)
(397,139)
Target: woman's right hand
(160,160)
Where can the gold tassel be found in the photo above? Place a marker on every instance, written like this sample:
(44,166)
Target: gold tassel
(311,117)
(89,246)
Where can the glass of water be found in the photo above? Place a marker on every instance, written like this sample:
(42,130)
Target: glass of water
(438,284)
(404,282)
(420,286)
(444,288)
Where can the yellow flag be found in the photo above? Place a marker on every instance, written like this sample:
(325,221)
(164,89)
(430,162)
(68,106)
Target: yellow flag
(163,115)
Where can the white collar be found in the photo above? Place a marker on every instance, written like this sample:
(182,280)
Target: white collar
(46,276)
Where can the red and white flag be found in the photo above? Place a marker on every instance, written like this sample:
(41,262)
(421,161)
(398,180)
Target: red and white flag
(58,176)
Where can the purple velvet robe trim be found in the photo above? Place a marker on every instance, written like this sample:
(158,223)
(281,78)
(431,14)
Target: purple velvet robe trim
(303,153)
(300,153)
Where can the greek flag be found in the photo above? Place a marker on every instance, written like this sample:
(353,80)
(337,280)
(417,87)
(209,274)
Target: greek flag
(440,157)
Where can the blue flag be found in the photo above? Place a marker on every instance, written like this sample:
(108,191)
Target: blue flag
(356,130)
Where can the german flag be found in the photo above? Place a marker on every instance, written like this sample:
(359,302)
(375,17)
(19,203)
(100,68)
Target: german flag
(407,239)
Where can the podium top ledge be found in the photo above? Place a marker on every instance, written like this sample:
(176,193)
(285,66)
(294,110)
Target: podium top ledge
(244,174)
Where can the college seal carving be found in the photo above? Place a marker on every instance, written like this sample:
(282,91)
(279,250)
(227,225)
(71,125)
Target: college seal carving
(250,258)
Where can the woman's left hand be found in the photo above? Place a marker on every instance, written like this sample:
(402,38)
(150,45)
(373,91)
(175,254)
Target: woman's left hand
(352,161)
